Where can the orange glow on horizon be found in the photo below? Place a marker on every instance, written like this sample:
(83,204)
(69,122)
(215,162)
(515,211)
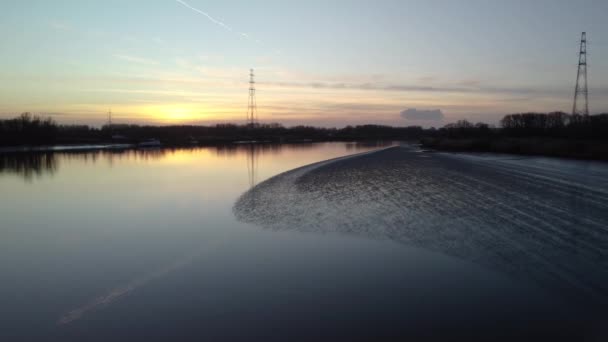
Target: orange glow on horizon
(176,113)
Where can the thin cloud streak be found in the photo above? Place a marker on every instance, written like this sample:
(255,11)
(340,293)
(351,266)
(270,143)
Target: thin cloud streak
(215,21)
(417,88)
(218,22)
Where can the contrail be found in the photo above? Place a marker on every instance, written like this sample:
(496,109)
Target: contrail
(122,291)
(217,22)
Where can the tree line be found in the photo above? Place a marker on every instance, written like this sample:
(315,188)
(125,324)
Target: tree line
(550,125)
(27,129)
(31,130)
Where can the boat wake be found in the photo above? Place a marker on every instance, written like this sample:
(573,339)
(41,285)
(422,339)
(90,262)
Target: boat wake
(538,219)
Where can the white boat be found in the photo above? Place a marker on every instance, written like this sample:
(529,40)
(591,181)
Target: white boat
(150,143)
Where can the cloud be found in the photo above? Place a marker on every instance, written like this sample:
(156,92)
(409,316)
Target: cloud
(422,115)
(377,87)
(137,60)
(470,88)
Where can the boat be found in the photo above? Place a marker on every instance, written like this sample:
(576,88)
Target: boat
(150,143)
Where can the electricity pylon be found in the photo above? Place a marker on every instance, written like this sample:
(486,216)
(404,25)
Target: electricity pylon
(252,106)
(581,92)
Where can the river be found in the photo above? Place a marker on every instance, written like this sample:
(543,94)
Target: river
(145,245)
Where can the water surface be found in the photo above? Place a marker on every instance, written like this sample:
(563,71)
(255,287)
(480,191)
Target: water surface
(144,245)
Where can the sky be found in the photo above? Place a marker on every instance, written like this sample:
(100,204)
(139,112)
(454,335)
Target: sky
(317,62)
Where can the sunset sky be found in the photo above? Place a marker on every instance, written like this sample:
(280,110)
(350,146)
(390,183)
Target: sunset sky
(326,63)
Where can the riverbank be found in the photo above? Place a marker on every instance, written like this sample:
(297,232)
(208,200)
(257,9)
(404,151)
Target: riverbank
(550,147)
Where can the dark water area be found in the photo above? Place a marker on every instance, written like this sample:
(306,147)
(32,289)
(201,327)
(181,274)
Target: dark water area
(250,242)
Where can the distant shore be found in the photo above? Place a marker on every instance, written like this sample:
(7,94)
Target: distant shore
(554,134)
(541,146)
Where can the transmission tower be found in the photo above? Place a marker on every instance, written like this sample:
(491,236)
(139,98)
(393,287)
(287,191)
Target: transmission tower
(581,92)
(252,107)
(110,118)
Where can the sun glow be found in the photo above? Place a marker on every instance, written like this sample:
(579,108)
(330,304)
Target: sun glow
(184,113)
(174,113)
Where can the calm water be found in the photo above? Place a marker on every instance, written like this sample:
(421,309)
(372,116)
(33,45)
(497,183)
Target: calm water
(144,245)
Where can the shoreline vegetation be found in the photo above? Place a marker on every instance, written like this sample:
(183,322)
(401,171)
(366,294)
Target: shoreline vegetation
(553,134)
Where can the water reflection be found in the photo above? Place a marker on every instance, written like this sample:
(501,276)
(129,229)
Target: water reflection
(357,145)
(261,149)
(252,164)
(142,155)
(31,164)
(28,165)
(37,164)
